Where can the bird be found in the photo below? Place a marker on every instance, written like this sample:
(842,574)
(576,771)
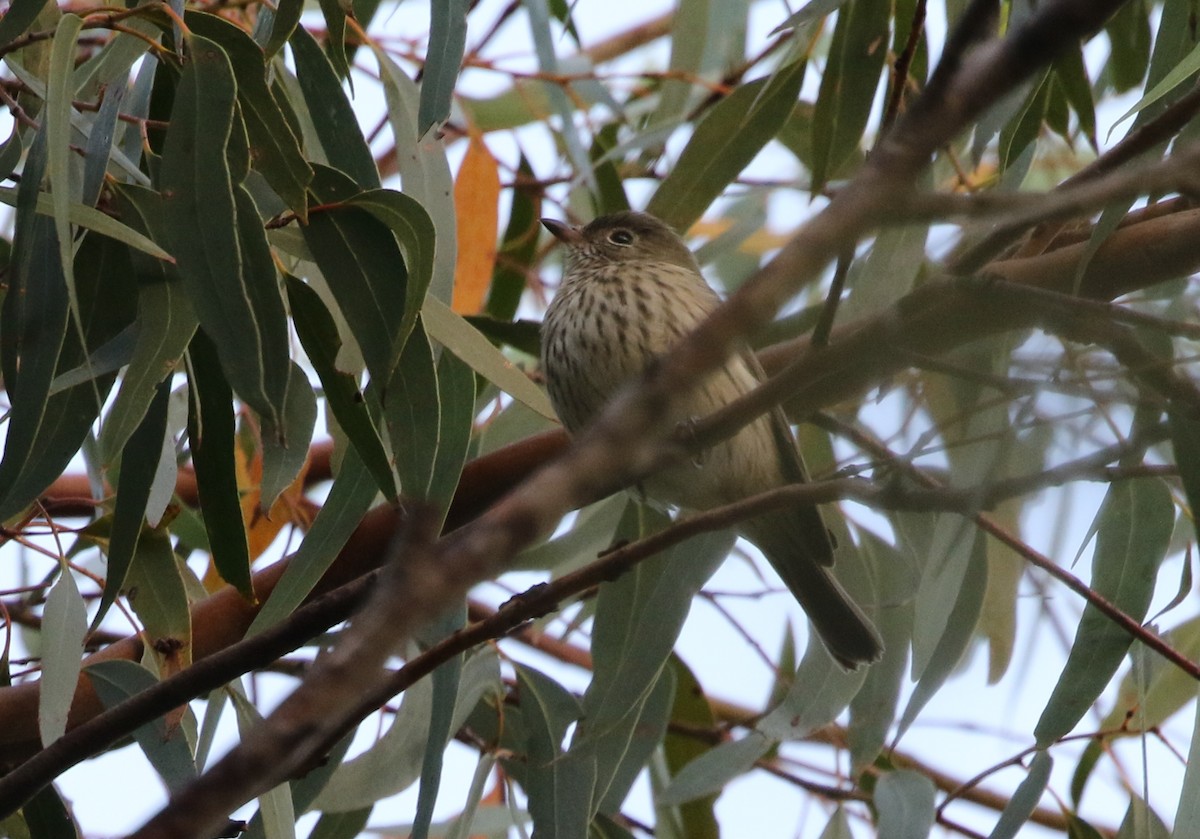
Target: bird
(631,290)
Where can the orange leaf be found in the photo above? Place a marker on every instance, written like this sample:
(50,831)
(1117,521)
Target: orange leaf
(476,207)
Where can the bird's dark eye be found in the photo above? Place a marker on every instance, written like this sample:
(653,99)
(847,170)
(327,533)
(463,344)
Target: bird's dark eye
(621,236)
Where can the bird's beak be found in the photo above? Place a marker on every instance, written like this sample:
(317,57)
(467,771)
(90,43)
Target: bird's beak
(563,232)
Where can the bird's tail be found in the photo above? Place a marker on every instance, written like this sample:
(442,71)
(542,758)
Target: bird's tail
(798,547)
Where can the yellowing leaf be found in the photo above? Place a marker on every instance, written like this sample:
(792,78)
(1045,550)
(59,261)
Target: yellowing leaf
(476,207)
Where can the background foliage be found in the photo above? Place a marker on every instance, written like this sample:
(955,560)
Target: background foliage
(268,273)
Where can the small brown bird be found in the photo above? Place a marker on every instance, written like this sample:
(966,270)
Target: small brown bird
(631,290)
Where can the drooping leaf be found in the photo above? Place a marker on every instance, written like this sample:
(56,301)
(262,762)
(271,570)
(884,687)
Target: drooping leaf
(560,792)
(220,249)
(1135,530)
(848,85)
(18,18)
(157,594)
(904,802)
(319,336)
(712,771)
(211,435)
(349,499)
(724,143)
(447,41)
(458,336)
(691,711)
(517,249)
(274,148)
(64,623)
(336,125)
(394,762)
(285,450)
(363,266)
(133,493)
(1025,800)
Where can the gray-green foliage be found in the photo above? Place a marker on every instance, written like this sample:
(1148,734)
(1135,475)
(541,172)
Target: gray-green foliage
(192,305)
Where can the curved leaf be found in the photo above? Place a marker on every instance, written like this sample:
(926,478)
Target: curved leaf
(447,41)
(724,143)
(211,434)
(64,624)
(220,247)
(904,802)
(1134,532)
(332,117)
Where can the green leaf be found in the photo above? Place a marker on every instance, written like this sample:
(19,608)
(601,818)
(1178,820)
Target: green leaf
(711,772)
(57,123)
(133,493)
(283,20)
(332,116)
(809,14)
(453,332)
(1071,74)
(394,762)
(363,266)
(638,619)
(112,62)
(517,249)
(1020,132)
(1183,70)
(521,335)
(423,168)
(691,711)
(447,41)
(1188,811)
(274,149)
(1025,799)
(456,397)
(46,817)
(348,501)
(1185,440)
(412,414)
(418,239)
(18,18)
(13,149)
(1129,35)
(275,807)
(619,760)
(904,804)
(724,143)
(64,623)
(165,325)
(560,792)
(319,337)
(157,594)
(335,36)
(1141,822)
(94,220)
(33,325)
(446,679)
(100,144)
(960,625)
(848,85)
(347,825)
(222,251)
(285,450)
(211,433)
(873,708)
(1134,533)
(46,432)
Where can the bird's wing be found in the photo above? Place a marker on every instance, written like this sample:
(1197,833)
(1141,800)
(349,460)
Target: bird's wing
(819,541)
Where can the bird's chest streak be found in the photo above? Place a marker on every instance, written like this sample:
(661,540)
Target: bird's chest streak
(604,333)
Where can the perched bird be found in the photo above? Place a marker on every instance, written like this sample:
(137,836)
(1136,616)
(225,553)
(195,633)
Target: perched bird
(631,290)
